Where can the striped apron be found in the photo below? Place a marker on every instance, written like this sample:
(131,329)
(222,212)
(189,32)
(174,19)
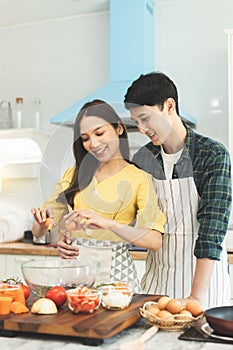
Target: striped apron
(170,271)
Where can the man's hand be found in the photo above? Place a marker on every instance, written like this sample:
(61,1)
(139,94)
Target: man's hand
(184,301)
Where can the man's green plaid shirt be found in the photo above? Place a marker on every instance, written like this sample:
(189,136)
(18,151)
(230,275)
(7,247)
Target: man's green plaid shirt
(208,162)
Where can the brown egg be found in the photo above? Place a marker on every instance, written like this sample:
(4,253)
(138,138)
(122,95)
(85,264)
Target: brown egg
(162,302)
(154,309)
(166,317)
(184,315)
(194,308)
(174,306)
(186,312)
(165,314)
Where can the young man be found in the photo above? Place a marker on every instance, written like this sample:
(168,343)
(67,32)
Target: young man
(192,176)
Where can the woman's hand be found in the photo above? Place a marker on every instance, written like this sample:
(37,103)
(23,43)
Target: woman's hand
(65,248)
(44,217)
(83,219)
(43,221)
(73,221)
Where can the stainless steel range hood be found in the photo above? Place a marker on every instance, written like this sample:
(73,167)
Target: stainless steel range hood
(131,54)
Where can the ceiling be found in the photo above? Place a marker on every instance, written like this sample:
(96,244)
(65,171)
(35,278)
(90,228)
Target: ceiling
(18,12)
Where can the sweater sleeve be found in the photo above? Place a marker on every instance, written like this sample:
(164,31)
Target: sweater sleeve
(149,214)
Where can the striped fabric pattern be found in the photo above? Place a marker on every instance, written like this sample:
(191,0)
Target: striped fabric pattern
(170,271)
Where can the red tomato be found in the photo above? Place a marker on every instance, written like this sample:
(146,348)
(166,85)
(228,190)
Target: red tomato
(26,291)
(57,294)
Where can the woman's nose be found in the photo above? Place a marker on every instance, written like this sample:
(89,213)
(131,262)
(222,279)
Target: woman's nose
(93,142)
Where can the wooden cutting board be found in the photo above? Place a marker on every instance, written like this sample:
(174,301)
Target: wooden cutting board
(100,325)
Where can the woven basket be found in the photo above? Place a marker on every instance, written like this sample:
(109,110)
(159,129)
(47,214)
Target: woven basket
(176,322)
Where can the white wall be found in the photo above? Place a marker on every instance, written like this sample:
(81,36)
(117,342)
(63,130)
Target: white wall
(63,60)
(58,61)
(191,47)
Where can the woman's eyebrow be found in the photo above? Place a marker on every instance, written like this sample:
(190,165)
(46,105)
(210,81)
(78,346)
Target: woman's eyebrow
(96,129)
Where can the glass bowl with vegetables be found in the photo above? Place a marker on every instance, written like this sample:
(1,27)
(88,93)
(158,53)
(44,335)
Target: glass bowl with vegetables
(117,295)
(13,284)
(83,299)
(42,275)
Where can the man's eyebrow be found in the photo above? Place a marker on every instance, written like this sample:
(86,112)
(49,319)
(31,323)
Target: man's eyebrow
(142,114)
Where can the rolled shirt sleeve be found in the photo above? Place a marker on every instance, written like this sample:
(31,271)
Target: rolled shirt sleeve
(214,175)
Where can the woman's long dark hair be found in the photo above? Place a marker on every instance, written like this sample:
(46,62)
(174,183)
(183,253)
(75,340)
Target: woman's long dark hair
(85,163)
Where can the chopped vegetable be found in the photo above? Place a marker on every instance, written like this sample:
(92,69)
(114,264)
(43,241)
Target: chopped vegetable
(83,299)
(18,308)
(13,291)
(19,296)
(16,281)
(116,299)
(44,306)
(13,282)
(116,295)
(5,305)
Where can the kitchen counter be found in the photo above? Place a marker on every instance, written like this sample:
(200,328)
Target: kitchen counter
(162,340)
(23,248)
(50,250)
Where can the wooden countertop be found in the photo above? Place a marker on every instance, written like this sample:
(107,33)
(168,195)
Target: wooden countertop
(27,249)
(102,324)
(22,248)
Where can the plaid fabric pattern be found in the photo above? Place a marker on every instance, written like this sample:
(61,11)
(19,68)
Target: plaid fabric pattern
(211,169)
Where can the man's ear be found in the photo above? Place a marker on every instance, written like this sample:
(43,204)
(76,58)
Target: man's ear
(170,104)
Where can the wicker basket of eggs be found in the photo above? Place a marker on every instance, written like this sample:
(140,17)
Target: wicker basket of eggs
(168,314)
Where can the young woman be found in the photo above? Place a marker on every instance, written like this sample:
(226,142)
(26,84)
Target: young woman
(99,200)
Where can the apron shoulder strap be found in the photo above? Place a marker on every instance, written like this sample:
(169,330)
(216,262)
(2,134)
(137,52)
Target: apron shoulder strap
(193,147)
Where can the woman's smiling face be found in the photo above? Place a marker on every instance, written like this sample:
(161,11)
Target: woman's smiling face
(100,138)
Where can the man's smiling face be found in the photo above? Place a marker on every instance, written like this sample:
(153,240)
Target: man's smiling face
(153,122)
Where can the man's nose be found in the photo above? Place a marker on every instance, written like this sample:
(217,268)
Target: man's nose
(142,128)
